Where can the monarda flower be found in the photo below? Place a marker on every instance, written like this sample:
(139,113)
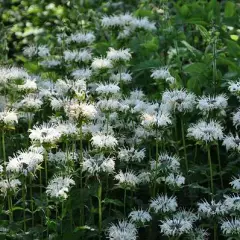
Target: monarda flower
(9,186)
(59,187)
(163,73)
(127,180)
(25,162)
(231,228)
(164,204)
(45,134)
(206,131)
(124,230)
(102,140)
(175,226)
(121,55)
(101,64)
(98,164)
(207,104)
(178,101)
(140,216)
(211,209)
(231,142)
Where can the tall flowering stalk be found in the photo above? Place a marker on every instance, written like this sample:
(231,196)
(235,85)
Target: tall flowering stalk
(208,133)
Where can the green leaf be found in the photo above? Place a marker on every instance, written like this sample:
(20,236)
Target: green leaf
(230,9)
(113,201)
(151,45)
(192,49)
(184,10)
(234,37)
(203,31)
(233,48)
(83,228)
(195,68)
(143,13)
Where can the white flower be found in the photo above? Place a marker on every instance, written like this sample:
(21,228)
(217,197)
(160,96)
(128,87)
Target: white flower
(11,185)
(83,55)
(101,63)
(8,117)
(234,88)
(122,231)
(102,140)
(236,118)
(116,20)
(163,203)
(207,104)
(127,180)
(64,86)
(43,51)
(174,180)
(178,100)
(198,234)
(28,85)
(166,163)
(30,51)
(143,23)
(25,162)
(175,226)
(123,76)
(98,164)
(51,63)
(80,37)
(235,183)
(140,216)
(61,158)
(29,103)
(67,129)
(158,119)
(206,131)
(119,55)
(232,203)
(75,110)
(186,215)
(231,142)
(144,177)
(231,227)
(45,133)
(163,73)
(59,187)
(211,209)
(84,73)
(111,105)
(104,88)
(131,154)
(12,73)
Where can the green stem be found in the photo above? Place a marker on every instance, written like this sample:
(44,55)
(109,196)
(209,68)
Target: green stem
(81,177)
(46,167)
(56,217)
(4,150)
(215,231)
(156,165)
(10,209)
(176,135)
(41,194)
(100,209)
(31,199)
(219,165)
(210,169)
(124,201)
(184,147)
(215,65)
(62,219)
(24,206)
